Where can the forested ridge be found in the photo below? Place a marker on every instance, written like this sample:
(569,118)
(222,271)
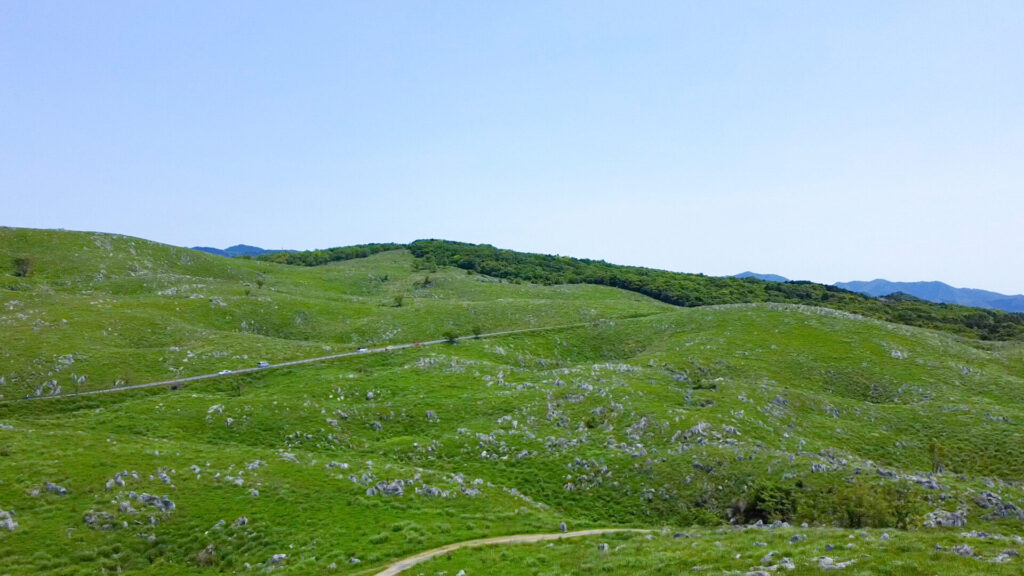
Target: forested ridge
(326,256)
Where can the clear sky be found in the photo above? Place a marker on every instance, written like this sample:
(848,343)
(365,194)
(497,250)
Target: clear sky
(818,140)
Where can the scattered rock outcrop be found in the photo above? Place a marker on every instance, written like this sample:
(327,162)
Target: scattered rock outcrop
(162,503)
(55,489)
(829,563)
(7,521)
(394,488)
(965,550)
(1000,508)
(100,520)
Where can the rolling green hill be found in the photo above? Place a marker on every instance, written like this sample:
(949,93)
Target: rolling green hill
(699,290)
(116,310)
(682,289)
(701,423)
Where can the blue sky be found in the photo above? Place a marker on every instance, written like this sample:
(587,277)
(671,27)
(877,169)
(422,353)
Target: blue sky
(816,140)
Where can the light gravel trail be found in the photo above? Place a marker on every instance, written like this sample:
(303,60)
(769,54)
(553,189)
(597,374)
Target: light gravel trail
(406,563)
(177,382)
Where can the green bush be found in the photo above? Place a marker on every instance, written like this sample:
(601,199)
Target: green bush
(766,501)
(861,504)
(22,266)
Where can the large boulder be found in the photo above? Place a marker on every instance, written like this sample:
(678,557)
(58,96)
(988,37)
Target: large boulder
(942,518)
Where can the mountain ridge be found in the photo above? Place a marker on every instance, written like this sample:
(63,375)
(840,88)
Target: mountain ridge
(759,276)
(940,292)
(930,290)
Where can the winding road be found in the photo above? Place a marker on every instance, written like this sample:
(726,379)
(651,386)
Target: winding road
(406,563)
(182,381)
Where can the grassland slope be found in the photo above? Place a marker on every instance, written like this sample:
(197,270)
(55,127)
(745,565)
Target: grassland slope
(100,310)
(700,423)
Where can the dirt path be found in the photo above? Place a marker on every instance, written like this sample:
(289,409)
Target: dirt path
(177,382)
(406,563)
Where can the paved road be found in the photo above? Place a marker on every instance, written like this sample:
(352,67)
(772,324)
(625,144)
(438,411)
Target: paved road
(182,381)
(406,563)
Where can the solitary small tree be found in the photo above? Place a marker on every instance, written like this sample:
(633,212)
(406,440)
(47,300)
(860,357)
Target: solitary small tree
(22,266)
(450,336)
(938,455)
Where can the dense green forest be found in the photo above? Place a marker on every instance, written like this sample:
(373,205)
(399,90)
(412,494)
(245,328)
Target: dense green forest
(679,288)
(320,257)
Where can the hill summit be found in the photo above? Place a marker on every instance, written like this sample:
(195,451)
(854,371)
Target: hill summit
(765,277)
(237,250)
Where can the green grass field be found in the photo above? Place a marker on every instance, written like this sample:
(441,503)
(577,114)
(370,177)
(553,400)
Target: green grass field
(693,421)
(724,551)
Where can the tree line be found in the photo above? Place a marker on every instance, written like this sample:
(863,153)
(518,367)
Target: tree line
(321,257)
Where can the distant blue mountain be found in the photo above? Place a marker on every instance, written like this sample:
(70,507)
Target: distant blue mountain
(939,292)
(237,250)
(765,277)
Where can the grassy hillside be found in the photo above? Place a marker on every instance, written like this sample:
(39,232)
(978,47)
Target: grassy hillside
(682,289)
(698,290)
(100,310)
(689,421)
(723,551)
